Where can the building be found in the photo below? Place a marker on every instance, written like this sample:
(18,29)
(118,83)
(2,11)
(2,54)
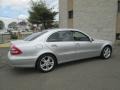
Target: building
(21,24)
(98,18)
(6,21)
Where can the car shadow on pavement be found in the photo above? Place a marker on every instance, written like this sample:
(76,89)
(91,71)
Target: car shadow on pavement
(24,71)
(60,66)
(77,62)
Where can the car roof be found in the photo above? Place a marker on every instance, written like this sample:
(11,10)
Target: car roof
(69,29)
(62,29)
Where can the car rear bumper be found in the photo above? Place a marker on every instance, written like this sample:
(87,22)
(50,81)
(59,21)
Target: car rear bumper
(20,61)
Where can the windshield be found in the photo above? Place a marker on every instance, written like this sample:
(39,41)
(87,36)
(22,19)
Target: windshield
(34,36)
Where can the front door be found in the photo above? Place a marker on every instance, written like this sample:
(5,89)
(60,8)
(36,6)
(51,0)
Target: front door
(84,47)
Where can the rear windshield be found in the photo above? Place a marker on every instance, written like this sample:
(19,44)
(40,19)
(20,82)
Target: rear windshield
(34,36)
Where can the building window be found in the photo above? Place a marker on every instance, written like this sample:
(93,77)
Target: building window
(70,14)
(119,6)
(118,36)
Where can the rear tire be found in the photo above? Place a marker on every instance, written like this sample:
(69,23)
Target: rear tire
(106,52)
(46,63)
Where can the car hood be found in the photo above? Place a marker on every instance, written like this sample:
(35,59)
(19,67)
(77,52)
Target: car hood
(103,41)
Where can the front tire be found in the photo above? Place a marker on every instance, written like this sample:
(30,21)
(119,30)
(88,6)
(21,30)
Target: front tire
(46,63)
(106,52)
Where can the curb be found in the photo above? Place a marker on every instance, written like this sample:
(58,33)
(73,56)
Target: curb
(6,45)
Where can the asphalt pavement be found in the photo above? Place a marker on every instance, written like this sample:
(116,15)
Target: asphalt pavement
(88,74)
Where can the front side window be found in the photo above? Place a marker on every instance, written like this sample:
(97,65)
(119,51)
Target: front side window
(61,36)
(78,36)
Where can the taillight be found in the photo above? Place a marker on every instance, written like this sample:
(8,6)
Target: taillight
(15,51)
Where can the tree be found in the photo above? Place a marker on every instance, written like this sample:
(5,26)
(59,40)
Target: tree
(13,25)
(2,25)
(41,14)
(22,23)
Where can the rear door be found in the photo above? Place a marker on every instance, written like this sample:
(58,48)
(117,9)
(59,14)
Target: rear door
(62,44)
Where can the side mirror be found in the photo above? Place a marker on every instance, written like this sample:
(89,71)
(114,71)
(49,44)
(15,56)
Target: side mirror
(91,39)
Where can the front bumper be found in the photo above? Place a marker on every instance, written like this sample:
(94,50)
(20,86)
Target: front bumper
(21,61)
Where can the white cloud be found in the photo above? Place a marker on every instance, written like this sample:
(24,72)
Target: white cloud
(19,5)
(24,3)
(22,16)
(15,2)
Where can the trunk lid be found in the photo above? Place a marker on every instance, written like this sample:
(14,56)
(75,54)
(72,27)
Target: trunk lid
(19,42)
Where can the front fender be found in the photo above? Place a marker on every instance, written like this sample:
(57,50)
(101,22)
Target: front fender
(107,44)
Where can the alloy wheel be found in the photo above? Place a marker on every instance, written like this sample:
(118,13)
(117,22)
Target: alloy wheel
(107,52)
(47,63)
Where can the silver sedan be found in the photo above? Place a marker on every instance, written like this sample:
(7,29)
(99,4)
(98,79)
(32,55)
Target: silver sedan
(44,50)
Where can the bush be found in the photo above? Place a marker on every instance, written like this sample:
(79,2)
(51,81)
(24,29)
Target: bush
(14,36)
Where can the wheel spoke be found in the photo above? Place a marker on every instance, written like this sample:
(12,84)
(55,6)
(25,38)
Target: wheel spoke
(43,60)
(47,67)
(49,58)
(51,63)
(43,65)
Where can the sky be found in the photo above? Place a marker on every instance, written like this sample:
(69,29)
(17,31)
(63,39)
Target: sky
(19,8)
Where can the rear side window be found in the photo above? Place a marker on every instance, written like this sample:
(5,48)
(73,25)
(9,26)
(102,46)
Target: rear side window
(34,36)
(61,36)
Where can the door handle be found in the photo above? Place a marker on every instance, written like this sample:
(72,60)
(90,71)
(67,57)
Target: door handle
(77,44)
(53,45)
